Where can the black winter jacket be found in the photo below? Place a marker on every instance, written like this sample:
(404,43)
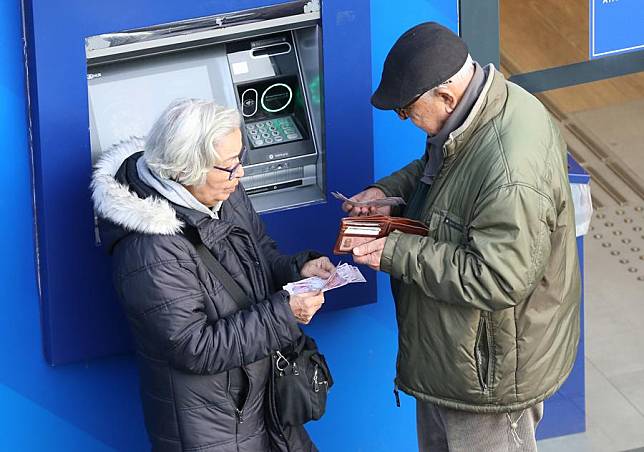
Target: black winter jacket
(204,363)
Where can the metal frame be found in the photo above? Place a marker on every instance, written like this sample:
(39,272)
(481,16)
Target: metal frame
(203,38)
(584,72)
(479,27)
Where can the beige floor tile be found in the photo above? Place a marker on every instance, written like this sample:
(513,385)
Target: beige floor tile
(631,385)
(622,353)
(610,413)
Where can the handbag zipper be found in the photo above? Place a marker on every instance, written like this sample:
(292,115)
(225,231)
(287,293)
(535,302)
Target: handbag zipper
(316,381)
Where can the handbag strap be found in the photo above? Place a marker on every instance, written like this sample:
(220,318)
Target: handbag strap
(223,276)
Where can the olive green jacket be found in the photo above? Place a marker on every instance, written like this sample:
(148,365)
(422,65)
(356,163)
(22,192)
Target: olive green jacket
(488,304)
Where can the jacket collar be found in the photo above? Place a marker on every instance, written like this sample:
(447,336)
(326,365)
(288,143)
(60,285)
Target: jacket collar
(117,202)
(121,197)
(489,104)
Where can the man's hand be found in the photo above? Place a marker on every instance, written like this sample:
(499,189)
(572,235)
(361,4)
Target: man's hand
(305,305)
(321,267)
(369,194)
(370,253)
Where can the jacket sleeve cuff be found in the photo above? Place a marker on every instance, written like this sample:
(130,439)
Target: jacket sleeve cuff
(396,257)
(285,317)
(387,257)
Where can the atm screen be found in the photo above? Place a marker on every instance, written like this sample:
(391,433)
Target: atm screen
(126,97)
(128,105)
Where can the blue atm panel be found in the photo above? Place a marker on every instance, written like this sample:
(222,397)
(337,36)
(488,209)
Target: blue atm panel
(300,72)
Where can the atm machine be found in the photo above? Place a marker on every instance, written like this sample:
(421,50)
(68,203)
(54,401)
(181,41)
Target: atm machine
(270,71)
(100,73)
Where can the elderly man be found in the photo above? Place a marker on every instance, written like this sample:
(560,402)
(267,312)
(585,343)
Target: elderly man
(487,303)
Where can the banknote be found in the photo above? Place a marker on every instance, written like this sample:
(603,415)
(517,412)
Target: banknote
(342,275)
(348,243)
(389,201)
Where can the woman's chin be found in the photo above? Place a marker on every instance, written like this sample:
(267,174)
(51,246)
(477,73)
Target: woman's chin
(220,198)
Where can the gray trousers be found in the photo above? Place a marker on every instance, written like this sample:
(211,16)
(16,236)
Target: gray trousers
(443,429)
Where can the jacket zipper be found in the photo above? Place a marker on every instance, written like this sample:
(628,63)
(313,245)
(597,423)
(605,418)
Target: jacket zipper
(484,335)
(239,412)
(453,224)
(240,415)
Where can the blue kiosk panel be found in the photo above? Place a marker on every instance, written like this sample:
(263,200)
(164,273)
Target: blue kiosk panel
(80,314)
(566,409)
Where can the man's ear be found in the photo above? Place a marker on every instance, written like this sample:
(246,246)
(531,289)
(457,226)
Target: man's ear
(448,98)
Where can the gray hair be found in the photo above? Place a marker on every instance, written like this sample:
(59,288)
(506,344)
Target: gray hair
(463,74)
(181,145)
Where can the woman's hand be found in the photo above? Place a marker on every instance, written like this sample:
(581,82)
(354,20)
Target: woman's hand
(305,305)
(321,267)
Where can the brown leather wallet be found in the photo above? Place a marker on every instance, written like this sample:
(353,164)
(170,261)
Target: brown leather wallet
(354,231)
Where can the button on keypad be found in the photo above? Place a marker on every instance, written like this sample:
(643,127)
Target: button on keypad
(272,131)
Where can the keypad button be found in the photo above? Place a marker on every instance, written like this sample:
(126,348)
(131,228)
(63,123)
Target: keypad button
(269,140)
(292,136)
(258,142)
(265,135)
(278,139)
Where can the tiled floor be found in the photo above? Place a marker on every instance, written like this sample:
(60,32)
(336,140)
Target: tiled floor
(614,302)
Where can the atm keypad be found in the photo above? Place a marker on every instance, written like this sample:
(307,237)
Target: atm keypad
(271,131)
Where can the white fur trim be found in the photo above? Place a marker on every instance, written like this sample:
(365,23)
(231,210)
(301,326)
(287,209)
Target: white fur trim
(115,202)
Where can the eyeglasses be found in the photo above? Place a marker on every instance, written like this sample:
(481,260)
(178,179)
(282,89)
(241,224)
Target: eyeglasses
(233,169)
(403,112)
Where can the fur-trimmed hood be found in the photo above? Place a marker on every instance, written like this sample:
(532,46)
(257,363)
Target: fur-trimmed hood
(116,202)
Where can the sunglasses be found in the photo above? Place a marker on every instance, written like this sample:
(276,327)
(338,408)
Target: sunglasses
(233,169)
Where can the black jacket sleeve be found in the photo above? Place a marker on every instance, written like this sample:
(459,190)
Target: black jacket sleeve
(284,268)
(167,303)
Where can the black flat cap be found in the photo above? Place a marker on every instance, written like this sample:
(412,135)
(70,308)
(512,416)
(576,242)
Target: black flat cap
(421,59)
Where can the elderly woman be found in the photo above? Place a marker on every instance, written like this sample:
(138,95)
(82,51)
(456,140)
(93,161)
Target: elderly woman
(204,362)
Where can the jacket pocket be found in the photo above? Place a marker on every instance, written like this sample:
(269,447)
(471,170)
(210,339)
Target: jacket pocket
(239,388)
(447,227)
(483,351)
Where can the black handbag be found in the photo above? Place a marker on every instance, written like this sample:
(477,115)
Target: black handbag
(299,383)
(300,378)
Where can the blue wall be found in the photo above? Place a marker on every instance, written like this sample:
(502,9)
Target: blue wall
(94,406)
